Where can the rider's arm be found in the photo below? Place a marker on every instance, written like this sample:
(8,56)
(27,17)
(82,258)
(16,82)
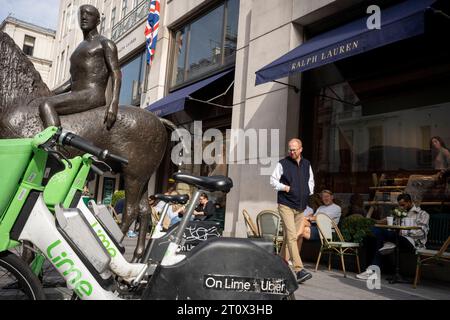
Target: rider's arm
(112,61)
(65,87)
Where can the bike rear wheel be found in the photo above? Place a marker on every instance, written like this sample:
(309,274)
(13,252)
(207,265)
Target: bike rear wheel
(17,281)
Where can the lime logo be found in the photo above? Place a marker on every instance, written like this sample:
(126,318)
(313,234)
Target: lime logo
(104,239)
(82,287)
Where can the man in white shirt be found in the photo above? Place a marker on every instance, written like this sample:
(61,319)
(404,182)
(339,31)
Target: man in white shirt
(293,179)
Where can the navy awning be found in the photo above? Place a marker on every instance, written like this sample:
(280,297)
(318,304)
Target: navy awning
(398,22)
(176,100)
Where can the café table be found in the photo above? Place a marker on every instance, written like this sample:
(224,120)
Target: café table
(397,278)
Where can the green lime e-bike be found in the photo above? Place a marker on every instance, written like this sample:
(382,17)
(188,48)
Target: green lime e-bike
(32,209)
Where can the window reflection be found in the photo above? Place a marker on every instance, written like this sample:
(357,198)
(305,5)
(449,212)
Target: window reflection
(360,147)
(205,48)
(132,79)
(231,30)
(206,44)
(180,53)
(353,138)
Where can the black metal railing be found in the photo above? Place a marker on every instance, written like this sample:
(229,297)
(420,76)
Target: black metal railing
(130,20)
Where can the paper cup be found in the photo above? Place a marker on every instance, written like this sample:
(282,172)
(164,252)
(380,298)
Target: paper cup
(390,221)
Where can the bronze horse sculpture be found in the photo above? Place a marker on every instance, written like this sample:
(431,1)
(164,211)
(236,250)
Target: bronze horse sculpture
(137,134)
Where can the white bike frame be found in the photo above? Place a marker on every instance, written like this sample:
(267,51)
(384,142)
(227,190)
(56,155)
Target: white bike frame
(119,265)
(40,229)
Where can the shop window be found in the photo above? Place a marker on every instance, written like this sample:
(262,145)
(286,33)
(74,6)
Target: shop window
(206,44)
(359,148)
(384,141)
(375,114)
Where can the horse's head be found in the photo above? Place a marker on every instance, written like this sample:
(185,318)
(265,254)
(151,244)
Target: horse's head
(19,80)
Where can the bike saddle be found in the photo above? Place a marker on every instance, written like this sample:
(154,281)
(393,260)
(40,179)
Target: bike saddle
(177,199)
(213,183)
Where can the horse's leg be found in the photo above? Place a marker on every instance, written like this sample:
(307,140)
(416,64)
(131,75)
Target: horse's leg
(133,191)
(144,223)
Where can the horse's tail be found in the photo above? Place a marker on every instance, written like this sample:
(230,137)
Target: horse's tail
(168,124)
(172,127)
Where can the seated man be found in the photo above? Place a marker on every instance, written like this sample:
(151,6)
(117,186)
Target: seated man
(409,240)
(91,65)
(308,230)
(205,210)
(329,208)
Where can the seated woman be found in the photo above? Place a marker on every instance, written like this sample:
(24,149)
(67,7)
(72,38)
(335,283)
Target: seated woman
(440,153)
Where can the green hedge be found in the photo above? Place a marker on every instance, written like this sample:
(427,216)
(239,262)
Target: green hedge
(356,227)
(120,194)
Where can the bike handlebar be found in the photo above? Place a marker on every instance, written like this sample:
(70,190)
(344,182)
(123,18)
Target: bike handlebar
(117,158)
(70,139)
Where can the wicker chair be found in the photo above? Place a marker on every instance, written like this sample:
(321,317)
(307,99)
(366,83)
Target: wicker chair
(269,226)
(341,248)
(427,257)
(252,230)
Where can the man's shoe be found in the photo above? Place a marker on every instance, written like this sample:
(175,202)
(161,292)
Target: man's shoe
(303,275)
(365,275)
(387,248)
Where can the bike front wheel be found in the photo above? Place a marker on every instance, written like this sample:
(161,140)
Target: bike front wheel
(17,281)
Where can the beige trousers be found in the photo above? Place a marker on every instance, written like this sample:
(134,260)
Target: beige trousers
(292,219)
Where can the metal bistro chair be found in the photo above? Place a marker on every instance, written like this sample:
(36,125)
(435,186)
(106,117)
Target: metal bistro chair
(269,226)
(426,257)
(341,248)
(252,230)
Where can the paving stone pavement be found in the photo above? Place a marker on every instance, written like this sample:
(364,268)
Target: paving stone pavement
(331,285)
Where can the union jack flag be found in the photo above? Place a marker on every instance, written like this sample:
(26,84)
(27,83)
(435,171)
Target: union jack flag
(151,30)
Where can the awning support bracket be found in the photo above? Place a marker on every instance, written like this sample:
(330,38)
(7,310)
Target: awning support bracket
(440,12)
(296,90)
(210,103)
(215,104)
